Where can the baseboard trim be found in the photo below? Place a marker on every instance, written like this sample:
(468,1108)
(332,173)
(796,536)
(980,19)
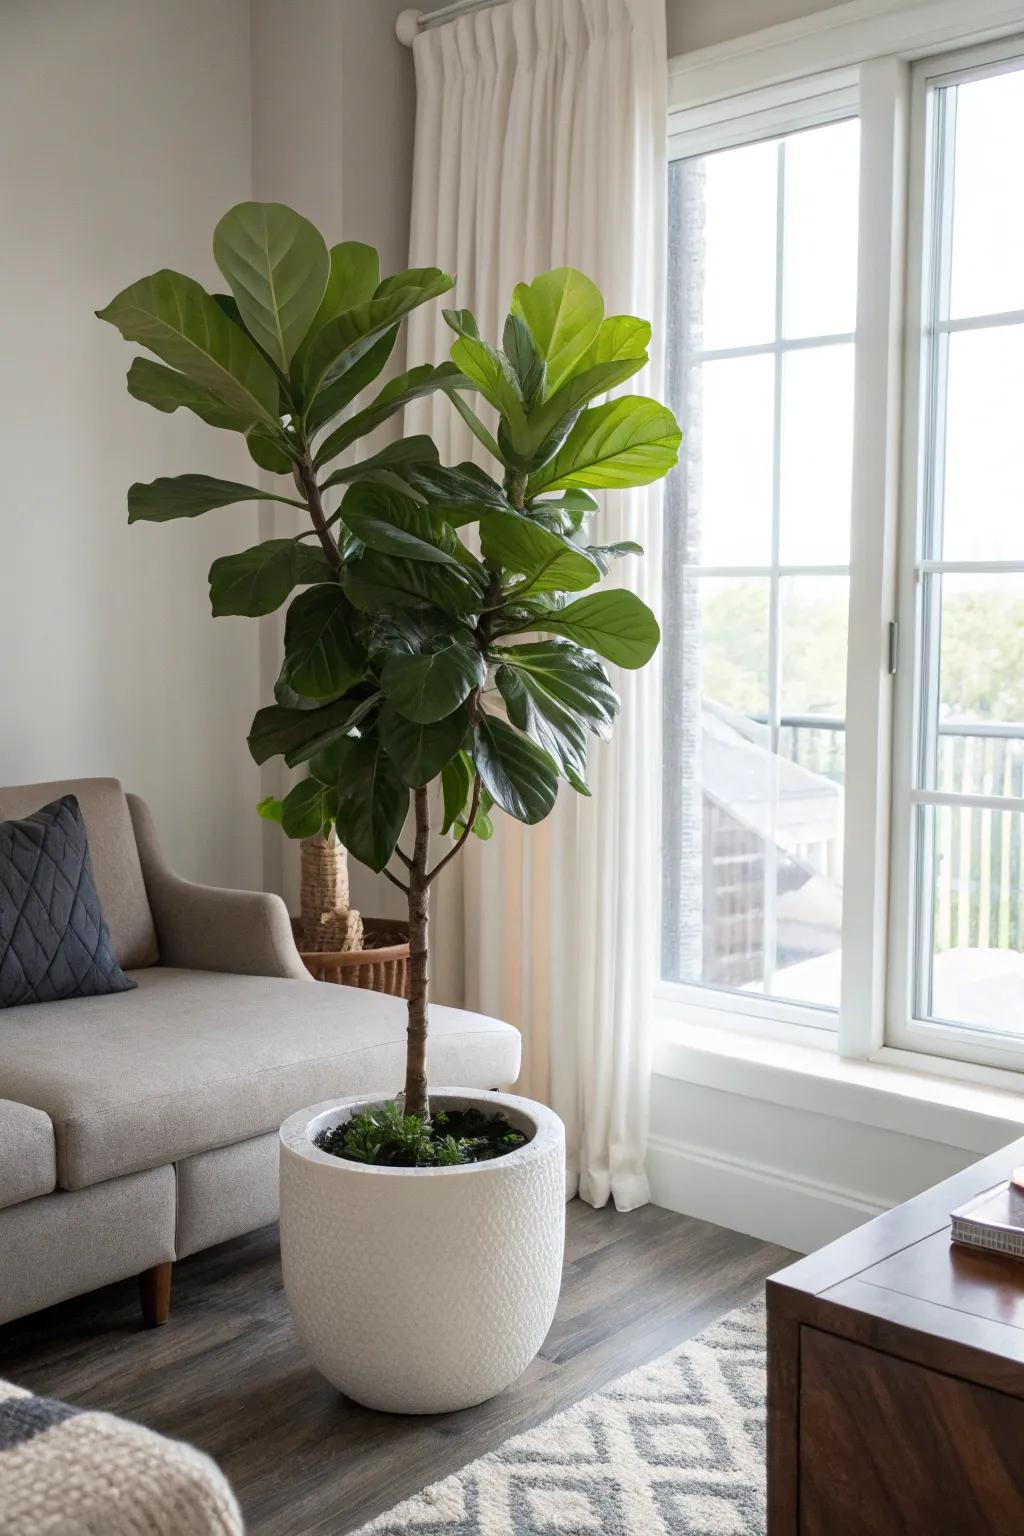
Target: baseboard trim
(769,1203)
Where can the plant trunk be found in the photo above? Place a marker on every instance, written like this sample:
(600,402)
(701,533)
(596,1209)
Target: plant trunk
(416,1098)
(327,922)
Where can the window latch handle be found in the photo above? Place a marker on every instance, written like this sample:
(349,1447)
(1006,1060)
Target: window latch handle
(894,647)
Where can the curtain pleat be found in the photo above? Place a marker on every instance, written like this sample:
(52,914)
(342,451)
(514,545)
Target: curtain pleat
(540,142)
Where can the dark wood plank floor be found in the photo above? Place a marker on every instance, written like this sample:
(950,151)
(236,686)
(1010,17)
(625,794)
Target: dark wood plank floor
(228,1374)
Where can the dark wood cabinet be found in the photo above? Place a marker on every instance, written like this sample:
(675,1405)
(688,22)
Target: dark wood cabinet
(896,1379)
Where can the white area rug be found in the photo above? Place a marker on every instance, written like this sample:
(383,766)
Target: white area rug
(676,1448)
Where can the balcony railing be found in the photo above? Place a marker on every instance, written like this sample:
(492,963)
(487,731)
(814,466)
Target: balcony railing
(979,854)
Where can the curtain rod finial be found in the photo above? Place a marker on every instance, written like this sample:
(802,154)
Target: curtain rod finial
(407,26)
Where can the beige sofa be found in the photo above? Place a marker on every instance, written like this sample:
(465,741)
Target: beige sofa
(139,1128)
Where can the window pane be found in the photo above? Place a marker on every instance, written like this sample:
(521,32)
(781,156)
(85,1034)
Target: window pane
(988,219)
(733,644)
(814,631)
(973,966)
(734,405)
(817,454)
(820,262)
(740,193)
(981,669)
(984,479)
(808,914)
(977,745)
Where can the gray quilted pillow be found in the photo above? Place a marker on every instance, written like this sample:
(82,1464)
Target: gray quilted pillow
(53,940)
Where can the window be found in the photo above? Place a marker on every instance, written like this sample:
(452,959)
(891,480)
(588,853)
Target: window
(763,284)
(963,806)
(821,363)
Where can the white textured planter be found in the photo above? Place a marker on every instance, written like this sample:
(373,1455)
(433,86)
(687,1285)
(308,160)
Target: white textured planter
(422,1290)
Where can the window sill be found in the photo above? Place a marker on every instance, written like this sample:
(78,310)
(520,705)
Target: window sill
(977,1110)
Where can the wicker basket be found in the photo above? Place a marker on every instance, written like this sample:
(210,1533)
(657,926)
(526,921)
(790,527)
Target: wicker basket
(381,968)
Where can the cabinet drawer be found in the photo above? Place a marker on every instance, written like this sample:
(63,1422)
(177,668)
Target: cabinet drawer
(887,1447)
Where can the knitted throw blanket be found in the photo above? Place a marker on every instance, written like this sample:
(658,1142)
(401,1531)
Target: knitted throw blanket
(70,1472)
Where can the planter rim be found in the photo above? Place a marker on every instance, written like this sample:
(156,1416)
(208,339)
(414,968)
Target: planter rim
(296,1137)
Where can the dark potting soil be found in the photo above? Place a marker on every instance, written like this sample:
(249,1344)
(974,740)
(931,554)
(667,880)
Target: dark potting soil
(384,1137)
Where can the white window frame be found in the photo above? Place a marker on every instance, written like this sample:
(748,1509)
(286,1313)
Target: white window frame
(906,1031)
(856,59)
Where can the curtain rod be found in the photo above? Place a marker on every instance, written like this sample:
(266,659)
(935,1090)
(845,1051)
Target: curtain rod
(408,24)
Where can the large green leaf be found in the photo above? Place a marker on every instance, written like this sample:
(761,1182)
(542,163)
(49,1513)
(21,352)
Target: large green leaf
(178,320)
(166,389)
(473,422)
(620,336)
(308,808)
(351,381)
(392,524)
(457,777)
(494,377)
(520,348)
(459,492)
(377,581)
(322,655)
(462,322)
(561,734)
(565,513)
(563,310)
(395,395)
(407,453)
(270,452)
(420,749)
(568,675)
(561,410)
(518,774)
(276,265)
(257,580)
(615,624)
(299,734)
(372,803)
(352,332)
(428,687)
(624,442)
(354,279)
(604,554)
(158,501)
(547,561)
(556,692)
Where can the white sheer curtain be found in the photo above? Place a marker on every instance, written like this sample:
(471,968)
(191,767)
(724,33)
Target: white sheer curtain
(540,142)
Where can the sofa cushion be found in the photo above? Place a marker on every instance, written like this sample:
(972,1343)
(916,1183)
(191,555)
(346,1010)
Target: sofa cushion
(54,941)
(28,1156)
(115,858)
(199,1059)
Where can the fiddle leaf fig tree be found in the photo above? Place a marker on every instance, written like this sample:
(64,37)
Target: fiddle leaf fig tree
(449,626)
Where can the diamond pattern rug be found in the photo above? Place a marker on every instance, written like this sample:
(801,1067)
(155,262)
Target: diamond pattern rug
(676,1448)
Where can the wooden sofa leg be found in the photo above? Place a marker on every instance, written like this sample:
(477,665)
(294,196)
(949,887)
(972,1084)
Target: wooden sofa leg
(155,1294)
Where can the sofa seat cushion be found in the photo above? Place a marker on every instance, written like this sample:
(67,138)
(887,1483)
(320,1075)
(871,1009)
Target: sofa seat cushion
(198,1059)
(28,1154)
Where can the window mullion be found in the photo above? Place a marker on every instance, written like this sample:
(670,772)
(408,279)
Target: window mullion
(771,854)
(883,179)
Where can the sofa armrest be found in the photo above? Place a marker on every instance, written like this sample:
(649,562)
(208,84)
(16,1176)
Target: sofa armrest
(206,928)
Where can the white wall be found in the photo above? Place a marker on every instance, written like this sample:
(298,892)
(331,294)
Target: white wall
(701,23)
(125,127)
(792,1145)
